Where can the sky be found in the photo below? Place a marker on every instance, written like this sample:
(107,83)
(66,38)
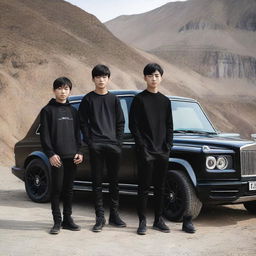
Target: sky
(106,10)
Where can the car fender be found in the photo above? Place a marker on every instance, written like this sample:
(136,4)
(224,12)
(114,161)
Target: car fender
(38,154)
(187,167)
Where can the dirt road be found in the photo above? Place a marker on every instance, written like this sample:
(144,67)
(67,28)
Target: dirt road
(24,227)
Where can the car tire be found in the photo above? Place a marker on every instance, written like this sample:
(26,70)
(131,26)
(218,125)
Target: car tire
(250,206)
(37,181)
(180,197)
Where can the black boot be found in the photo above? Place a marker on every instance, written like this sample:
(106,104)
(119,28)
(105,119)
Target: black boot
(187,225)
(68,223)
(160,225)
(100,223)
(142,229)
(115,220)
(55,229)
(57,225)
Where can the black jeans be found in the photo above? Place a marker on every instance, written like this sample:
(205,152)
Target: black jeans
(100,155)
(152,169)
(62,185)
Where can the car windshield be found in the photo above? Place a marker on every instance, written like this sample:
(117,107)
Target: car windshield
(188,117)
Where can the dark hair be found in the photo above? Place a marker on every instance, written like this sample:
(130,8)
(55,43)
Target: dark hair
(100,70)
(151,68)
(62,81)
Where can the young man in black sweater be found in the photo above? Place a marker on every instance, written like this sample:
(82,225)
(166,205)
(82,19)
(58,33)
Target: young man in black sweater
(102,126)
(60,139)
(150,122)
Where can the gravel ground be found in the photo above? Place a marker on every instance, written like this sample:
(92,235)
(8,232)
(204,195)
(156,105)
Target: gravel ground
(24,227)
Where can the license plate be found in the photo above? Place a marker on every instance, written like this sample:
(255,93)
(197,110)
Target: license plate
(252,185)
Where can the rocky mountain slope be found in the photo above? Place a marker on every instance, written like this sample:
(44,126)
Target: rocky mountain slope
(216,38)
(42,40)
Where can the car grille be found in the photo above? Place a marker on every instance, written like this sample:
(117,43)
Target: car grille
(248,160)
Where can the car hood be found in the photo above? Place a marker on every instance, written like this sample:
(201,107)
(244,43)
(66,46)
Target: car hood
(218,140)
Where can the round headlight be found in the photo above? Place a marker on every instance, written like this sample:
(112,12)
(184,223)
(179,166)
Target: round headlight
(211,162)
(222,162)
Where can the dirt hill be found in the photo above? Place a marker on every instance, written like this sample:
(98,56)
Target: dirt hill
(42,40)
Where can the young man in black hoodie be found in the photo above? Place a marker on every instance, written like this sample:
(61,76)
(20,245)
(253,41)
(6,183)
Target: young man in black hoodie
(150,122)
(102,126)
(60,139)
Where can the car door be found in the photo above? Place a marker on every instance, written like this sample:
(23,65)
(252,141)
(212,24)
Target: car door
(84,169)
(127,168)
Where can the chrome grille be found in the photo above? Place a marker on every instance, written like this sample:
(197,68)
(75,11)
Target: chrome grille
(248,160)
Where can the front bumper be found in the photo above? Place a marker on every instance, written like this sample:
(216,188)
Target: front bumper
(18,172)
(226,192)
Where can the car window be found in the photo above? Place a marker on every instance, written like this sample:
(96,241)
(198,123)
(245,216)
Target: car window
(125,102)
(125,106)
(76,105)
(189,116)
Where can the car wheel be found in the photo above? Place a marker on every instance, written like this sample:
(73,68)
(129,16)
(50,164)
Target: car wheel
(37,181)
(180,197)
(250,206)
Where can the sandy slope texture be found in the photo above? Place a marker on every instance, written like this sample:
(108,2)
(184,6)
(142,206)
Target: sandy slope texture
(42,40)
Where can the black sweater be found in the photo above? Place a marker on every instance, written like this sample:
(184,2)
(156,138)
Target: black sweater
(59,131)
(150,122)
(101,118)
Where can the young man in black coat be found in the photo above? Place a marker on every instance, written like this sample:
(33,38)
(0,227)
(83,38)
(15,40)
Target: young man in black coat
(150,122)
(102,126)
(61,142)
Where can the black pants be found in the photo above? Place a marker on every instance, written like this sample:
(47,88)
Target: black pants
(62,186)
(101,155)
(152,169)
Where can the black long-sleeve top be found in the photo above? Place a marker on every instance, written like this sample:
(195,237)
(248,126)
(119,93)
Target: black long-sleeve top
(101,118)
(59,130)
(150,122)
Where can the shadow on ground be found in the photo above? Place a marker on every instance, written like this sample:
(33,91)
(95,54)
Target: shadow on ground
(225,215)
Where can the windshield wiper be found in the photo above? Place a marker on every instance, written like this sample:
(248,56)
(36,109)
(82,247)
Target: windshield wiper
(194,131)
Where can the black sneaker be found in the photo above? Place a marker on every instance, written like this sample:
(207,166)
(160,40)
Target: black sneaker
(100,223)
(187,225)
(68,223)
(161,226)
(115,220)
(56,228)
(142,229)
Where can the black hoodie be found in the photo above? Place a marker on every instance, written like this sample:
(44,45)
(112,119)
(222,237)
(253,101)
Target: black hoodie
(59,131)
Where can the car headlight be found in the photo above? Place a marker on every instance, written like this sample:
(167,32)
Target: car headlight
(218,162)
(222,163)
(211,162)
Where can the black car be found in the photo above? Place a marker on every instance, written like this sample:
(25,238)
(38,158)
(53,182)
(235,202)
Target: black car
(205,166)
